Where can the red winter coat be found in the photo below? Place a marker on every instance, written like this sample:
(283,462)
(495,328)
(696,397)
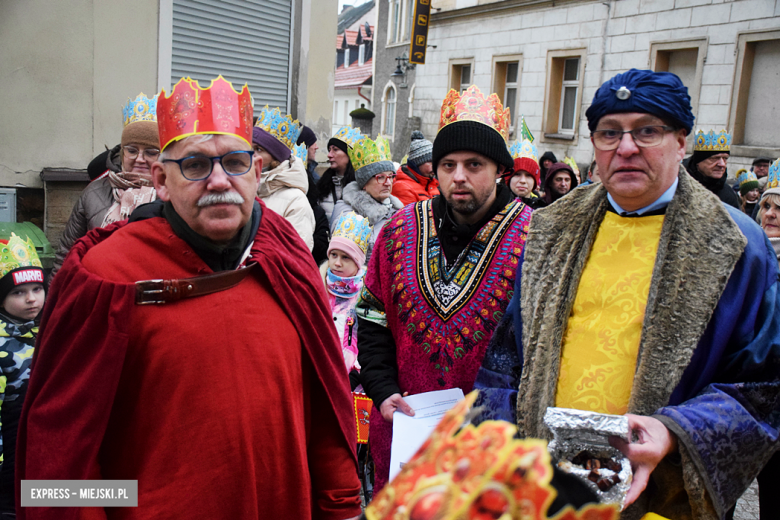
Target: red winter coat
(412,187)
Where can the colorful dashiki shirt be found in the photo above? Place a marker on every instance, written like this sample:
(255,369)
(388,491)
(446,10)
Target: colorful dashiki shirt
(441,319)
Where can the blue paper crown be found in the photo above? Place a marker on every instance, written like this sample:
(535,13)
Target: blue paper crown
(354,227)
(712,142)
(773,178)
(744,176)
(348,135)
(140,109)
(301,152)
(282,127)
(524,148)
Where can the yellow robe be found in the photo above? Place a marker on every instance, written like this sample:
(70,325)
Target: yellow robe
(600,347)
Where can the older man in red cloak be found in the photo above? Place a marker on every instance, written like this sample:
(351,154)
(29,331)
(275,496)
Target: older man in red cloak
(192,349)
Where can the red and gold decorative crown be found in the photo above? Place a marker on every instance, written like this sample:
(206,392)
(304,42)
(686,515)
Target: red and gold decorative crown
(472,106)
(192,110)
(471,473)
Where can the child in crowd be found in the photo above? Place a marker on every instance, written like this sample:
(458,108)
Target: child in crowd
(343,275)
(22,295)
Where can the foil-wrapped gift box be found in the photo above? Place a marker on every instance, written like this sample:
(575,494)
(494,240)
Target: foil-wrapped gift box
(580,439)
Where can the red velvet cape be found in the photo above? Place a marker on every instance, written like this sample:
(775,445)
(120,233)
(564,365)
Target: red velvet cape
(84,331)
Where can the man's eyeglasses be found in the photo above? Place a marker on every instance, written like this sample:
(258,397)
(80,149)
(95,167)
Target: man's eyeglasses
(199,167)
(644,136)
(150,154)
(382,177)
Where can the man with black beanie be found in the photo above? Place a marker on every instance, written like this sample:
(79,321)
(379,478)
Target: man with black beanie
(442,272)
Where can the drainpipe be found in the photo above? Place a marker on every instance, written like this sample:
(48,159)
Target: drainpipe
(604,41)
(364,97)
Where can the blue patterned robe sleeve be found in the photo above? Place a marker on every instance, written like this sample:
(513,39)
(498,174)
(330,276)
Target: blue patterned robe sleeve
(732,430)
(730,427)
(499,376)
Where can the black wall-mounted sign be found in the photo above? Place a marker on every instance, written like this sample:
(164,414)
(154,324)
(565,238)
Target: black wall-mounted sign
(422,14)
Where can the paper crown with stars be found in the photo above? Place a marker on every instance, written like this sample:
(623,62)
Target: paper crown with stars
(140,109)
(348,135)
(473,106)
(524,149)
(281,126)
(773,177)
(192,110)
(355,228)
(712,142)
(467,472)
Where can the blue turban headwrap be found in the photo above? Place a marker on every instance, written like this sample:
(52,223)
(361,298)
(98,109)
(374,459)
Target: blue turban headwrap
(661,94)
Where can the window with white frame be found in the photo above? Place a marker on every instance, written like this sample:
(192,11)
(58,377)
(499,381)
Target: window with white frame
(336,112)
(400,21)
(395,20)
(389,111)
(346,58)
(362,54)
(409,19)
(460,74)
(563,93)
(569,95)
(506,84)
(346,112)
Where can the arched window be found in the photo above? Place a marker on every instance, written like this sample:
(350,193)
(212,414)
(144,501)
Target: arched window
(388,114)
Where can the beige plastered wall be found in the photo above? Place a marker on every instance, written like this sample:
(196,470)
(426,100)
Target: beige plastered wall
(314,63)
(66,69)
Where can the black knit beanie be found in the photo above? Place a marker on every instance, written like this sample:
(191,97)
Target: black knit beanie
(338,143)
(699,155)
(473,136)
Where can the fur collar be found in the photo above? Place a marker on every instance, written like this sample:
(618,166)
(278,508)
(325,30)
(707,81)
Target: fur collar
(365,205)
(699,246)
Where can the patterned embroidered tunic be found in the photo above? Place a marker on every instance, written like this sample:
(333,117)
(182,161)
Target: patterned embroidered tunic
(441,319)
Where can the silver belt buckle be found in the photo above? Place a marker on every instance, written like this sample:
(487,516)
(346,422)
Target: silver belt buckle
(149,292)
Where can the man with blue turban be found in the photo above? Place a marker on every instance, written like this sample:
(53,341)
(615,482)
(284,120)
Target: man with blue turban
(663,306)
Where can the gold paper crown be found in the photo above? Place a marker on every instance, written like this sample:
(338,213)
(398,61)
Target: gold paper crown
(17,253)
(141,108)
(366,151)
(460,472)
(572,164)
(472,106)
(712,142)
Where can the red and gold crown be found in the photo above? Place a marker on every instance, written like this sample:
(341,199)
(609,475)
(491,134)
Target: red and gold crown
(469,473)
(192,110)
(472,106)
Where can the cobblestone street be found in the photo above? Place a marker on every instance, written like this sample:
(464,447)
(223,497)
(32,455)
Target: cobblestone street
(747,505)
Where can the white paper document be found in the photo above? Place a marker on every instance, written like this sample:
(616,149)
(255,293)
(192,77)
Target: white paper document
(409,433)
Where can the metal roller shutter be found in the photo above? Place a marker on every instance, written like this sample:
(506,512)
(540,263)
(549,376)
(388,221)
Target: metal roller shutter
(247,41)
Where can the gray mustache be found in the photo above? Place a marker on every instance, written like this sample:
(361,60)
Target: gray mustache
(226,197)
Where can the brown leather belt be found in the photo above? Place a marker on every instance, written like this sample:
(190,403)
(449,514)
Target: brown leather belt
(149,292)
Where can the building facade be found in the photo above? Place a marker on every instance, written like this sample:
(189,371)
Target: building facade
(354,73)
(66,86)
(546,60)
(394,78)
